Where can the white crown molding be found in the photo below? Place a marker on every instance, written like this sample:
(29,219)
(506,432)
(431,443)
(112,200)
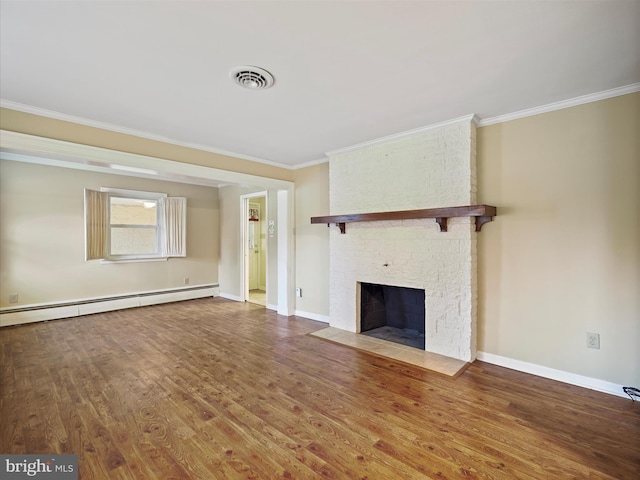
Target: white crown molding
(551,107)
(129,131)
(311,163)
(396,136)
(572,102)
(553,374)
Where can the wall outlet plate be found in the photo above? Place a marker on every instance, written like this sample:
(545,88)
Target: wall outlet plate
(593,340)
(298,292)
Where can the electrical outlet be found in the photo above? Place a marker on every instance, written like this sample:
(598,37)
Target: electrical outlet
(298,292)
(186,280)
(593,340)
(14,298)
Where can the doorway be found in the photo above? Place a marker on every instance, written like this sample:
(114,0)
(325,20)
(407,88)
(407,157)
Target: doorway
(255,245)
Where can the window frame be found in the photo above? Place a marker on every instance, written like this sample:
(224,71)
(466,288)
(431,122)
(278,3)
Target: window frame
(134,195)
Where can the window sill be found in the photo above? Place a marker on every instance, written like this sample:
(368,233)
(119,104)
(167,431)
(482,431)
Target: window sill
(134,260)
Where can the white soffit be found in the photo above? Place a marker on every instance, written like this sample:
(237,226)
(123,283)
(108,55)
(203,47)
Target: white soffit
(32,149)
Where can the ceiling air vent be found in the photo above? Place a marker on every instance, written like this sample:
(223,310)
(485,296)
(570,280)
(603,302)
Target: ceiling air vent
(250,77)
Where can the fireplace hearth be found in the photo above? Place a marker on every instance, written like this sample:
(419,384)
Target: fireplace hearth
(395,314)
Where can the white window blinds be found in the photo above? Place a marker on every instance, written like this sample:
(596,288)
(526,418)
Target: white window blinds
(171,225)
(96,224)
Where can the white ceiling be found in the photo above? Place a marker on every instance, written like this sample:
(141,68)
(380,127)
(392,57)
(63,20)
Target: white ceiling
(345,72)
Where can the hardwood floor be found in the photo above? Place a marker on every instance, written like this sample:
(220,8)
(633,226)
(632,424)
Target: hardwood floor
(214,389)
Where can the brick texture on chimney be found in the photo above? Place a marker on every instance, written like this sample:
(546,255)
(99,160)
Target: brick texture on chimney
(430,169)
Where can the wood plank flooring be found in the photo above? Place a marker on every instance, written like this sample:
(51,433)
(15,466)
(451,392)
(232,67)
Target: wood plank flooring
(215,389)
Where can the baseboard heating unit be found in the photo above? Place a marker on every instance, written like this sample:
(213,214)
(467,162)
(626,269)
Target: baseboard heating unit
(75,308)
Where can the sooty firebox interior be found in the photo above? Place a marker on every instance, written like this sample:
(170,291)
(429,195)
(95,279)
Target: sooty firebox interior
(395,314)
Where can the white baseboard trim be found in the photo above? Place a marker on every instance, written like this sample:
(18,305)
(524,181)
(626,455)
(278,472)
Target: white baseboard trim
(75,308)
(271,306)
(553,374)
(228,296)
(312,316)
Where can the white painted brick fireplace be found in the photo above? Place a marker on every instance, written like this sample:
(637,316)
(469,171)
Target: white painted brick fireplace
(431,168)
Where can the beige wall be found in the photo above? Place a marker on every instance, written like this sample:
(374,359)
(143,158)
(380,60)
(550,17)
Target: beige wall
(312,241)
(42,237)
(562,258)
(70,132)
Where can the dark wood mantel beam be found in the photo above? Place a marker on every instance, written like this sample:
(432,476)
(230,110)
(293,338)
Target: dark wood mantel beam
(482,214)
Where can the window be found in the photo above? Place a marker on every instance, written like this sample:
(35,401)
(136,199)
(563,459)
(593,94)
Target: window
(133,226)
(128,225)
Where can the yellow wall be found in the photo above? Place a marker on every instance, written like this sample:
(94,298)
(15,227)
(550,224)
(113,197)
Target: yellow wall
(312,241)
(562,258)
(42,237)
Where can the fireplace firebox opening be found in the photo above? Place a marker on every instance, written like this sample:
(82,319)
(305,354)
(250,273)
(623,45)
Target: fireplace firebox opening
(395,314)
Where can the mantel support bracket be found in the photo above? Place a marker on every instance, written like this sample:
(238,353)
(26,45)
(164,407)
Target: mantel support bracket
(341,226)
(442,221)
(480,221)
